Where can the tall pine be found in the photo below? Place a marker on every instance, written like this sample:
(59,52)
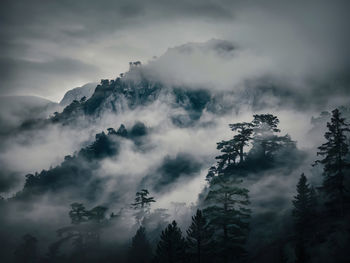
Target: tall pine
(141,251)
(303,203)
(171,247)
(198,237)
(142,205)
(227,212)
(241,139)
(335,163)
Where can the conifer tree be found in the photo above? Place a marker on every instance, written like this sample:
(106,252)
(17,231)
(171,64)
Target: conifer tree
(84,233)
(141,251)
(78,213)
(229,154)
(171,246)
(265,124)
(198,237)
(241,139)
(302,204)
(303,213)
(265,140)
(335,164)
(264,127)
(142,204)
(227,213)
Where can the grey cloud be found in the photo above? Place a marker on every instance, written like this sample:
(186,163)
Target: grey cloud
(292,38)
(22,76)
(171,170)
(8,181)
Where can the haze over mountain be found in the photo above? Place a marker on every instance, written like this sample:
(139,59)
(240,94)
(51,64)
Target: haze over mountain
(224,131)
(78,93)
(14,110)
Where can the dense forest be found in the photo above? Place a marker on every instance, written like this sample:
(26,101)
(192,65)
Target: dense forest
(223,225)
(189,131)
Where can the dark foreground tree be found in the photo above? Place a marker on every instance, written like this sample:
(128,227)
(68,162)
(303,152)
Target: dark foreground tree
(198,237)
(172,246)
(335,164)
(303,212)
(26,252)
(228,215)
(141,251)
(303,205)
(84,234)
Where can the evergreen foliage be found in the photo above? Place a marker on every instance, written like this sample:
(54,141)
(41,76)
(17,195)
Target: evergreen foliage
(304,206)
(241,139)
(84,233)
(335,162)
(142,205)
(198,237)
(172,246)
(141,251)
(228,215)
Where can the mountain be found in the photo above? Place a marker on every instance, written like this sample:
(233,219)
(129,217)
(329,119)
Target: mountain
(170,130)
(15,110)
(77,93)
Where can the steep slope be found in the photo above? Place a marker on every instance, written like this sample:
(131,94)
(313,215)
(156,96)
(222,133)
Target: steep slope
(14,110)
(78,93)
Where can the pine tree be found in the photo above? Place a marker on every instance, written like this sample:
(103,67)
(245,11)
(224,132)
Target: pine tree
(198,237)
(265,123)
(229,154)
(171,247)
(141,251)
(233,148)
(264,127)
(227,212)
(304,206)
(241,139)
(334,162)
(78,213)
(142,204)
(84,233)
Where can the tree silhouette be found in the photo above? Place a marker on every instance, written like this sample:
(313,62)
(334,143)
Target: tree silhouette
(230,152)
(142,204)
(303,204)
(198,237)
(142,200)
(141,251)
(26,252)
(78,213)
(334,161)
(84,233)
(241,139)
(171,246)
(303,210)
(265,125)
(227,212)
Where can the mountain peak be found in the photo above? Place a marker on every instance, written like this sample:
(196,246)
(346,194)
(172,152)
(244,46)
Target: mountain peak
(77,93)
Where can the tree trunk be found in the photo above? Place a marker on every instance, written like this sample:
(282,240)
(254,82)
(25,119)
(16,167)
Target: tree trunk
(225,231)
(241,154)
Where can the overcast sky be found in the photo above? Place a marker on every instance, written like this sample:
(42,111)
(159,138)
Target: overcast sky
(49,47)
